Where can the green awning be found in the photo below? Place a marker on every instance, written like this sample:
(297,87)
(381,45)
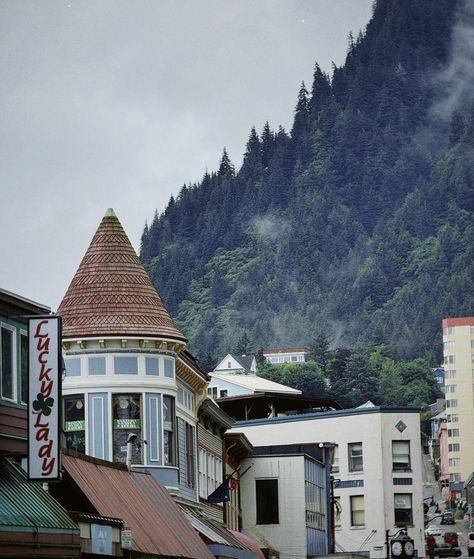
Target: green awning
(26,507)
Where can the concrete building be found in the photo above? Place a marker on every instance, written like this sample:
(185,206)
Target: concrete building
(377,469)
(286,500)
(458,351)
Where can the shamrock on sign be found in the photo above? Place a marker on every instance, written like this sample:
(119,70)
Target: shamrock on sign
(42,404)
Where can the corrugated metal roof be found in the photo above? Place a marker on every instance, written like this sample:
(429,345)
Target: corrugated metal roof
(255,383)
(212,530)
(24,504)
(158,525)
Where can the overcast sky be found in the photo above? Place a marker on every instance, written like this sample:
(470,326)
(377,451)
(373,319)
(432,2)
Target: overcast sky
(117,103)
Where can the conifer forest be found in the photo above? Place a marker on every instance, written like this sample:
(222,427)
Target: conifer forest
(353,232)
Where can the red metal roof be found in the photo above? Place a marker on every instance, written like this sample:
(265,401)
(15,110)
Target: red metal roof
(249,542)
(111,294)
(461,321)
(157,524)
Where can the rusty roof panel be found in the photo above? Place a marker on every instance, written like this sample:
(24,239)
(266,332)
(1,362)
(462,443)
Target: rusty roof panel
(158,525)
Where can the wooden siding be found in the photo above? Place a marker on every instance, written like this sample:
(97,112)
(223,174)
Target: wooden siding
(209,441)
(13,429)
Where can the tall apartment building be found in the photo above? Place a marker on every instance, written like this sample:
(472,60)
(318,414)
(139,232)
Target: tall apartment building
(458,351)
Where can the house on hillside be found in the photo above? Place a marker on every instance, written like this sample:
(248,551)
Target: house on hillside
(237,376)
(288,355)
(237,365)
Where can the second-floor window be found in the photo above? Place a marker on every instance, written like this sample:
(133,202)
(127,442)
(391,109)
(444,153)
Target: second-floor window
(355,457)
(401,455)
(74,422)
(7,364)
(169,431)
(357,510)
(266,494)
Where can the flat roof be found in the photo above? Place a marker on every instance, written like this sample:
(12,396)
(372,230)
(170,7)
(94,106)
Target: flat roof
(326,415)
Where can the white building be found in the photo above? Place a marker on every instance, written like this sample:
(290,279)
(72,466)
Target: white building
(236,376)
(127,368)
(377,469)
(285,499)
(291,355)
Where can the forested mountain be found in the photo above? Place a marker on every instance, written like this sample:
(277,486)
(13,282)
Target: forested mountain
(358,222)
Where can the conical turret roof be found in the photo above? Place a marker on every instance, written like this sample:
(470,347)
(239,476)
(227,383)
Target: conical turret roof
(111,293)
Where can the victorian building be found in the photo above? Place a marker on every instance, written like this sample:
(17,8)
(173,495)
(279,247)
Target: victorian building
(128,375)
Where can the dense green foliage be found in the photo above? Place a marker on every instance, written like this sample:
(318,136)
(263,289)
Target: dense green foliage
(358,223)
(352,377)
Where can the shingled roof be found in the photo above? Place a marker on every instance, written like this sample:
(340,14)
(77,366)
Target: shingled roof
(111,293)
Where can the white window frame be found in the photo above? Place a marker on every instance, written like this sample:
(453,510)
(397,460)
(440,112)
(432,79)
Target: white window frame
(13,330)
(354,499)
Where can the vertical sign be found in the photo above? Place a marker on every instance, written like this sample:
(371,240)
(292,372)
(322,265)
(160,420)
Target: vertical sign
(44,394)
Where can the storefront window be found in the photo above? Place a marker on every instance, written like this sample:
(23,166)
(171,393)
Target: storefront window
(126,420)
(169,431)
(75,424)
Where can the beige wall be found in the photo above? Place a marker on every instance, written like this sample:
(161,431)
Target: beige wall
(457,344)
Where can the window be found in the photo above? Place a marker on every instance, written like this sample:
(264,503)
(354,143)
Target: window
(403,510)
(452,418)
(337,512)
(449,359)
(125,365)
(452,403)
(401,455)
(190,456)
(126,420)
(73,367)
(357,510)
(24,367)
(449,345)
(169,368)
(355,457)
(335,461)
(450,373)
(448,331)
(229,365)
(169,431)
(151,366)
(266,492)
(7,351)
(74,422)
(451,388)
(294,358)
(454,447)
(455,461)
(453,432)
(210,473)
(223,393)
(454,477)
(315,505)
(96,365)
(212,391)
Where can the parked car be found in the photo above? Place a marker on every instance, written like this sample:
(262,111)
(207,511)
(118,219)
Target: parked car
(446,550)
(447,518)
(433,530)
(451,538)
(470,544)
